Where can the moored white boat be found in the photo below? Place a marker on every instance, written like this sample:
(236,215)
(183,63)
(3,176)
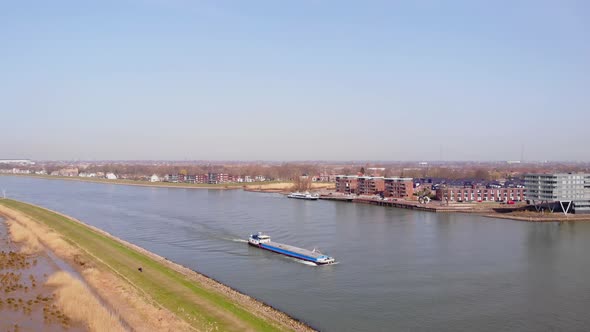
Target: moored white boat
(305,195)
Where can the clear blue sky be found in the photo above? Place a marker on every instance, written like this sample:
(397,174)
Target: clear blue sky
(293,80)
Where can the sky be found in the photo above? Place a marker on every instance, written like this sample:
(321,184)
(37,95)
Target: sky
(295,80)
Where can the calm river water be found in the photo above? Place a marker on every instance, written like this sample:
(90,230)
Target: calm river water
(399,270)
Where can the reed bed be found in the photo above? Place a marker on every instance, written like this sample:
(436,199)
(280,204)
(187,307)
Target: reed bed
(78,302)
(22,235)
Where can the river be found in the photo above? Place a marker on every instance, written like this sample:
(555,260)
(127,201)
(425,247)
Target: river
(398,270)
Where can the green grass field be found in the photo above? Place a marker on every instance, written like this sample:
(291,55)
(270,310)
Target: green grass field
(200,307)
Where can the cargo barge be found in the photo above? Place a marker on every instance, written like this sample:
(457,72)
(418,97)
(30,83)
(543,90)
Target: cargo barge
(263,241)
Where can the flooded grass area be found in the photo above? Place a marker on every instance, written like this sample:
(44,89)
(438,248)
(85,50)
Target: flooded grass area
(26,302)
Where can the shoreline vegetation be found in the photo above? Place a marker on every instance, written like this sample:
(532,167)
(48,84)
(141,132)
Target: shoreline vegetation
(267,186)
(163,296)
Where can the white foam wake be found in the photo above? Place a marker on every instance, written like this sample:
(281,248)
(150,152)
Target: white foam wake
(305,262)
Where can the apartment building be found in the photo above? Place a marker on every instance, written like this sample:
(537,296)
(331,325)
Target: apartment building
(171,177)
(569,192)
(370,185)
(201,178)
(213,178)
(346,184)
(479,194)
(181,177)
(399,188)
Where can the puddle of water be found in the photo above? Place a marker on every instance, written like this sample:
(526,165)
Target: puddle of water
(25,303)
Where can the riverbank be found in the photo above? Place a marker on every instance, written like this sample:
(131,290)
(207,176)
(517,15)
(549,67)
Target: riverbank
(287,187)
(264,187)
(164,295)
(531,216)
(139,183)
(487,209)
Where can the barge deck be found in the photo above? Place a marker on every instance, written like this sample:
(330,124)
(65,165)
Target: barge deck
(263,241)
(292,251)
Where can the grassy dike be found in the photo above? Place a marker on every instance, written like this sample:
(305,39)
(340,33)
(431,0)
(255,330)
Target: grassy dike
(202,306)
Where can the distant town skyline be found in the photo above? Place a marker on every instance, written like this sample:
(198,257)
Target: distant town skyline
(359,162)
(176,80)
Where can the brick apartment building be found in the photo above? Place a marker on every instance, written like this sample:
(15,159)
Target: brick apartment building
(210,178)
(213,178)
(370,185)
(479,194)
(346,184)
(399,188)
(375,185)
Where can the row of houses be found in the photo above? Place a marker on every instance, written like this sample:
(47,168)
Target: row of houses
(480,193)
(15,171)
(395,187)
(404,188)
(71,172)
(208,178)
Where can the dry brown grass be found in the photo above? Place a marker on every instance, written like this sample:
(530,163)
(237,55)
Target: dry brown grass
(287,186)
(33,236)
(323,185)
(81,305)
(26,238)
(73,297)
(277,186)
(132,306)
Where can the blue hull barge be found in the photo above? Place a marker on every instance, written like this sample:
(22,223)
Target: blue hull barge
(263,241)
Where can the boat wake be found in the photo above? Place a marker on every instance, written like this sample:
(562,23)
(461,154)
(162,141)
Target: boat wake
(238,240)
(308,263)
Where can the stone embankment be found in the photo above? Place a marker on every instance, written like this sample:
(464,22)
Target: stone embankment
(488,209)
